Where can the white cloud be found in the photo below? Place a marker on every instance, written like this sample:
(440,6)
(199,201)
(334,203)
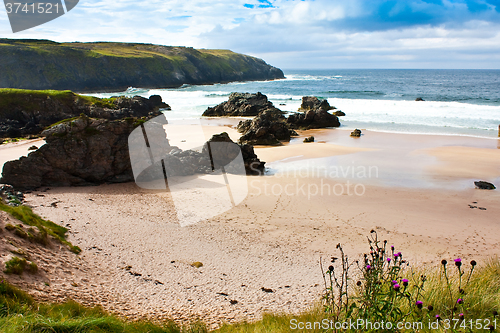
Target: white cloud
(321,33)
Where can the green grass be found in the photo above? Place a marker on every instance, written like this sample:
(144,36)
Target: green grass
(18,265)
(45,227)
(29,100)
(20,313)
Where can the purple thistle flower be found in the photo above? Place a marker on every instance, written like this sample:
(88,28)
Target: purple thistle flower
(461,316)
(405,282)
(396,287)
(394,282)
(388,259)
(368,267)
(419,304)
(458,262)
(395,255)
(438,317)
(392,247)
(399,254)
(460,301)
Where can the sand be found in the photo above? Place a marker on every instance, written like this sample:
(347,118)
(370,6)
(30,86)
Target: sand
(139,258)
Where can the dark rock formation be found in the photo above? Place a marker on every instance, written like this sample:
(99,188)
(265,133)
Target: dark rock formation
(268,128)
(339,113)
(253,166)
(89,151)
(83,151)
(484,185)
(315,115)
(309,139)
(419,99)
(212,156)
(240,104)
(43,64)
(356,133)
(319,118)
(313,103)
(28,112)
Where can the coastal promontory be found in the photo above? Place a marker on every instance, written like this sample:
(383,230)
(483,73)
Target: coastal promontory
(103,66)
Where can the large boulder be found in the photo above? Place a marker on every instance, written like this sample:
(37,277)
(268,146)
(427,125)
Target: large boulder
(319,118)
(313,113)
(226,153)
(30,112)
(240,104)
(268,128)
(82,151)
(314,103)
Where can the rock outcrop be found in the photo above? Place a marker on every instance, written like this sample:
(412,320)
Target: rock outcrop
(240,104)
(27,112)
(180,162)
(313,113)
(314,103)
(90,151)
(313,119)
(83,151)
(268,128)
(253,166)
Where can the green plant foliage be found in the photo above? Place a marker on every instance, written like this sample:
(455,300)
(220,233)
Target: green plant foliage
(20,313)
(18,265)
(45,227)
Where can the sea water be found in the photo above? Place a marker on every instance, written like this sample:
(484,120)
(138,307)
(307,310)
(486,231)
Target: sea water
(456,102)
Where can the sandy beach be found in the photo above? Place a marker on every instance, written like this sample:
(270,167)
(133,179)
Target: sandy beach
(137,258)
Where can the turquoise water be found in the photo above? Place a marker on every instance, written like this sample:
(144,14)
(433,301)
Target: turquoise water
(457,102)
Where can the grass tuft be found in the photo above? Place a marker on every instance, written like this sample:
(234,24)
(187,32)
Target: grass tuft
(45,227)
(20,313)
(18,265)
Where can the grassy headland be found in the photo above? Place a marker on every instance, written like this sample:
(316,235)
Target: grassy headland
(43,64)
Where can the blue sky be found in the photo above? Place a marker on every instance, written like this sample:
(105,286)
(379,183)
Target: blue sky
(297,34)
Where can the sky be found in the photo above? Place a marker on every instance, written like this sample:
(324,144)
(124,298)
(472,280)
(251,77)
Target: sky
(296,34)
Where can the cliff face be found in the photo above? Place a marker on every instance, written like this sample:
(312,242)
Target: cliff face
(42,64)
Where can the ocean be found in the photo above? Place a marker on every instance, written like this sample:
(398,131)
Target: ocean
(456,102)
